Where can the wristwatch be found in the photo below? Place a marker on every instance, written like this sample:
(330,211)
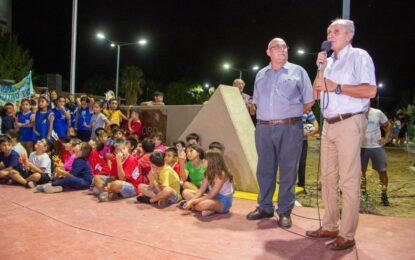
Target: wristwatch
(338,89)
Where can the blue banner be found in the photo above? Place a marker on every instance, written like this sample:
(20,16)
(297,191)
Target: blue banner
(18,91)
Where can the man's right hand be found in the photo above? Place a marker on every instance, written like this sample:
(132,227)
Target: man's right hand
(322,60)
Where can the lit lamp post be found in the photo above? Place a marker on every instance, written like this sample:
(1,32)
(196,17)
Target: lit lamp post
(227,66)
(302,52)
(113,44)
(378,95)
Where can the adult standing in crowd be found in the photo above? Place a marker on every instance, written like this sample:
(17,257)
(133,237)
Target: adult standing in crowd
(282,92)
(345,83)
(240,84)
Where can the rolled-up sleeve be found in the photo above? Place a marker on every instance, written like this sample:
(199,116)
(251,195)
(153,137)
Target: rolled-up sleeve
(365,69)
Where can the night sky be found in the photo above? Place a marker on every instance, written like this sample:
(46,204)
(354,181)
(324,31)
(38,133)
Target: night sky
(192,39)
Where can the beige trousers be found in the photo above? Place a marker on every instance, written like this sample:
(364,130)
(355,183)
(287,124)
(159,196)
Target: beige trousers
(341,171)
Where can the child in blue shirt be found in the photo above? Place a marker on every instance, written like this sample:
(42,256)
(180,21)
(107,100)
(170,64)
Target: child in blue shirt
(25,121)
(80,176)
(62,118)
(83,120)
(9,159)
(43,120)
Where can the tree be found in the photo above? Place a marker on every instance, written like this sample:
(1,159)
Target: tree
(15,62)
(132,83)
(185,93)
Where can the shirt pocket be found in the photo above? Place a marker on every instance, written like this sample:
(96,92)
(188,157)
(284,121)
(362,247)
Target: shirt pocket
(288,90)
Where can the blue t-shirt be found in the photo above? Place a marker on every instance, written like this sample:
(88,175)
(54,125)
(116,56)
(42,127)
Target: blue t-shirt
(26,133)
(11,161)
(84,116)
(42,122)
(82,169)
(7,123)
(60,124)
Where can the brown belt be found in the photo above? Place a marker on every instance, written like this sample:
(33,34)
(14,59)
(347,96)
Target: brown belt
(341,117)
(286,121)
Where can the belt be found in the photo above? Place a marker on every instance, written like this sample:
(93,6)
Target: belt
(286,121)
(341,117)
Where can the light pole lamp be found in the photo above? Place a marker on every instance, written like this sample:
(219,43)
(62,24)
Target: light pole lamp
(378,94)
(227,66)
(113,44)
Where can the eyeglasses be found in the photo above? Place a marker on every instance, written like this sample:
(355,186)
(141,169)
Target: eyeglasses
(278,47)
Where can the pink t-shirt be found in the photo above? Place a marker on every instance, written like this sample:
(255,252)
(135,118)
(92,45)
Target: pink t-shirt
(162,148)
(69,162)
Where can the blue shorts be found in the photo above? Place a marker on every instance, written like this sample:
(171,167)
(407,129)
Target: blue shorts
(171,200)
(225,200)
(127,189)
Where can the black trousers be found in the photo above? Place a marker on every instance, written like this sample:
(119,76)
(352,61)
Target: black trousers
(301,166)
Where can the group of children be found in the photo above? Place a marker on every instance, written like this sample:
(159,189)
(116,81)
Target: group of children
(90,148)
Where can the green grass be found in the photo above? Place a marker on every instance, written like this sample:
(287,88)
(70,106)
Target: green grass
(401,189)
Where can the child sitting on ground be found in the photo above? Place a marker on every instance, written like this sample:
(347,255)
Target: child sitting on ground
(124,177)
(158,142)
(9,159)
(17,146)
(164,187)
(171,158)
(80,176)
(218,146)
(118,133)
(192,138)
(38,167)
(97,162)
(192,172)
(144,161)
(216,193)
(105,145)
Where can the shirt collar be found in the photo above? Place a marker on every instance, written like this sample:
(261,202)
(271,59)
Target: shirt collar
(286,66)
(342,52)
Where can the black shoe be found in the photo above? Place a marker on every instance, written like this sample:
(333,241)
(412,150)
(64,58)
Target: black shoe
(384,199)
(259,213)
(284,220)
(143,199)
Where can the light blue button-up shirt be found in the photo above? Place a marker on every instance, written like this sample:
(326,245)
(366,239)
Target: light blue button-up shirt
(280,94)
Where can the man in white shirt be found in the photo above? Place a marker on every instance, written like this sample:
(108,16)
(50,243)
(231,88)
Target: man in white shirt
(372,149)
(345,83)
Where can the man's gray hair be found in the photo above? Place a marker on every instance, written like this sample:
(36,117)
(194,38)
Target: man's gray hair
(349,24)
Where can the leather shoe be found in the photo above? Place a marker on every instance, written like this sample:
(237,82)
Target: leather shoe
(284,220)
(259,213)
(320,233)
(340,243)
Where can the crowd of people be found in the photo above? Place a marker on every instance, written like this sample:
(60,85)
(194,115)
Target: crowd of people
(53,144)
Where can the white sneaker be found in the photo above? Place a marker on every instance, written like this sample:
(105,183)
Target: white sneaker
(53,189)
(206,213)
(43,186)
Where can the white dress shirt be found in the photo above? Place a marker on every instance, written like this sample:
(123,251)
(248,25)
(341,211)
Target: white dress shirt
(352,66)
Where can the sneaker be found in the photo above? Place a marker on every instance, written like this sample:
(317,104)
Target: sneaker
(181,204)
(143,199)
(163,203)
(206,213)
(103,197)
(113,196)
(42,187)
(384,199)
(53,189)
(31,185)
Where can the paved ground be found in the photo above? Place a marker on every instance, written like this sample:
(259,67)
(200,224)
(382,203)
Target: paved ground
(73,225)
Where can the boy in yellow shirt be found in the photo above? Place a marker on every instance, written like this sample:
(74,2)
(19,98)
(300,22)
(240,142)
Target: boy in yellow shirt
(164,187)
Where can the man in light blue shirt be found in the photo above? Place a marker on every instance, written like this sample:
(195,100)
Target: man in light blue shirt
(282,92)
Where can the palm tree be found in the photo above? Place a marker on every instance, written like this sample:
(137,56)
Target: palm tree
(132,82)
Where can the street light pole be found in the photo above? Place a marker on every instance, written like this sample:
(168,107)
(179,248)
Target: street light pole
(240,74)
(346,9)
(118,70)
(73,44)
(378,94)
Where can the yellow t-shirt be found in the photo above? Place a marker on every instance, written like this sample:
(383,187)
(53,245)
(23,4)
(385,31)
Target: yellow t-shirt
(169,178)
(113,116)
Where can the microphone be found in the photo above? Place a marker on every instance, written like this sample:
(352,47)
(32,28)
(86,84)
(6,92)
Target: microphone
(325,46)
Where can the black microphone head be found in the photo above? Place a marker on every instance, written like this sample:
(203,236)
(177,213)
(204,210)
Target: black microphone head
(326,46)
